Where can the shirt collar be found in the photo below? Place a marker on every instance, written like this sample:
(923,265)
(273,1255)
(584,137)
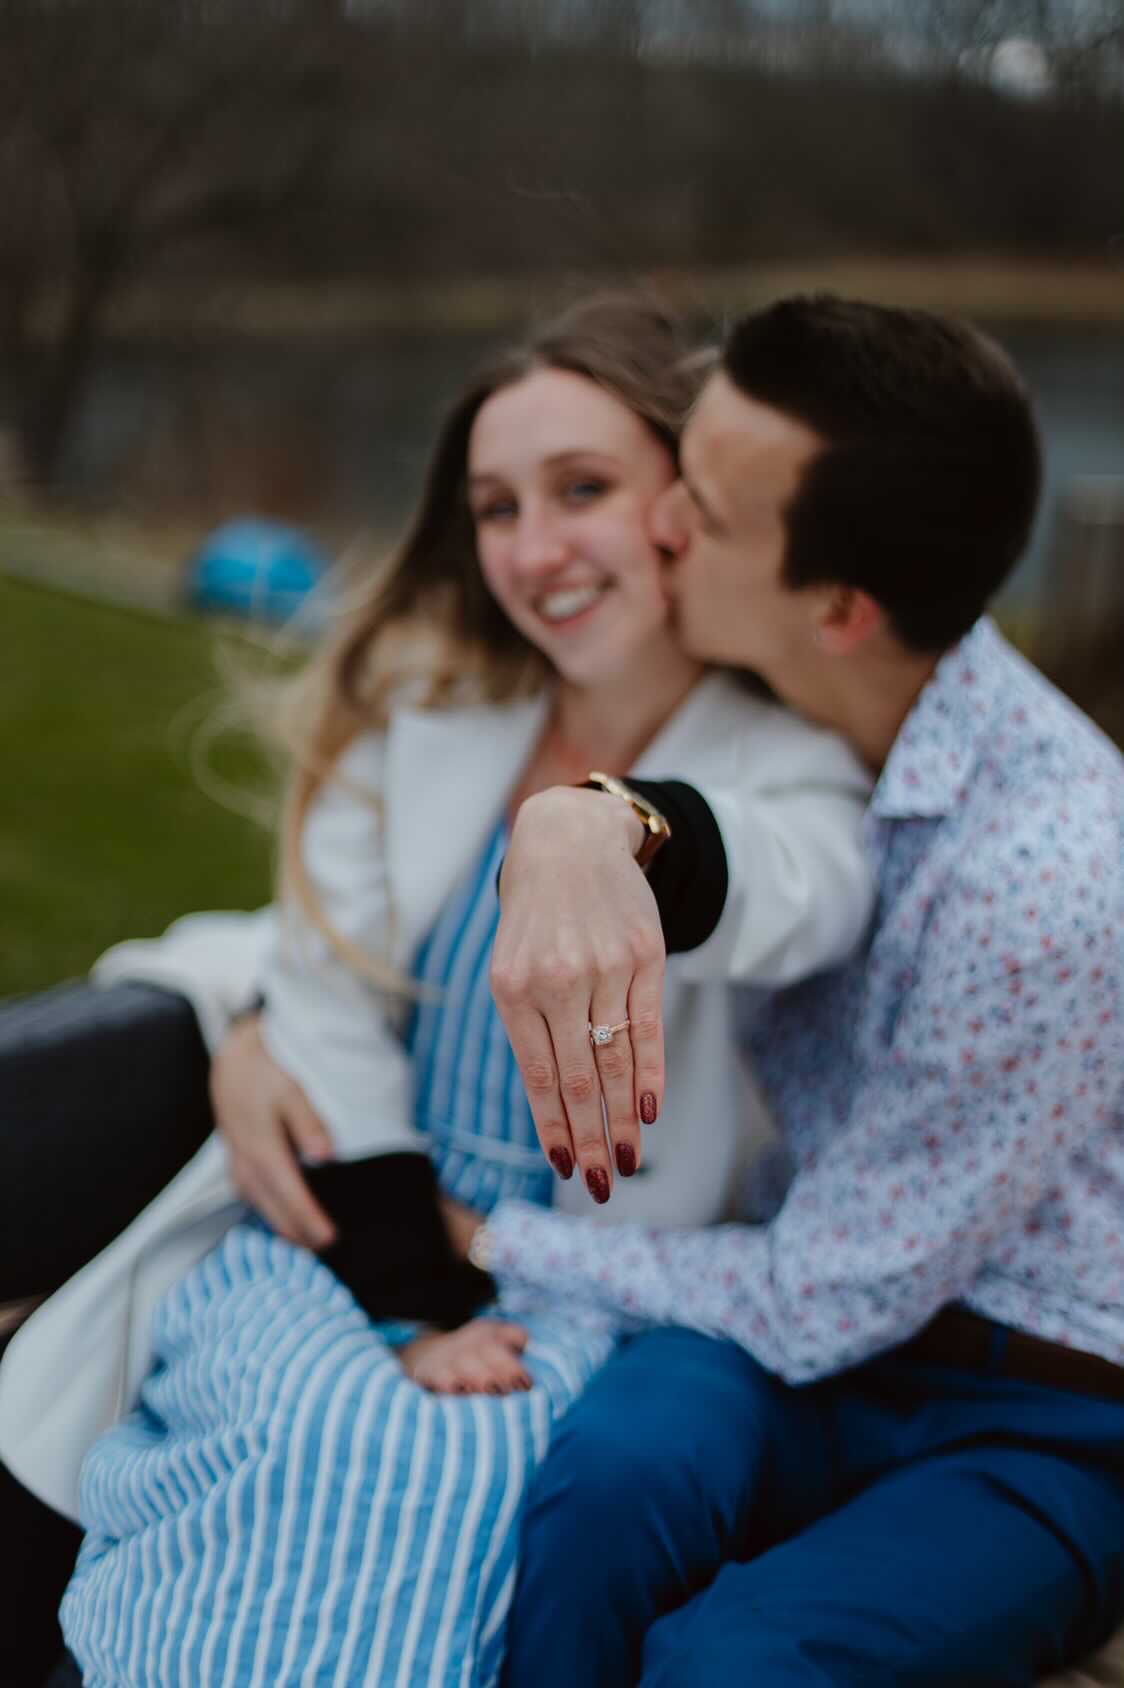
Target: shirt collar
(940,740)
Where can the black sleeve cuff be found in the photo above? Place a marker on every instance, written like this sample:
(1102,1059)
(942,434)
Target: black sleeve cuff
(689,875)
(392,1250)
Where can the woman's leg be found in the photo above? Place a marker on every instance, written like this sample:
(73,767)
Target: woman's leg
(287,1502)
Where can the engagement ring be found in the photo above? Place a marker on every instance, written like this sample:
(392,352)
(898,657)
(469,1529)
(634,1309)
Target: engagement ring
(605,1034)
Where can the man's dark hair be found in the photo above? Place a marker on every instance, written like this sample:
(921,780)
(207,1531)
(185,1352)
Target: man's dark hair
(925,492)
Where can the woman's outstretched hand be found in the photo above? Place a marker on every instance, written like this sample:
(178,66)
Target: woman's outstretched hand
(268,1123)
(580,944)
(484,1357)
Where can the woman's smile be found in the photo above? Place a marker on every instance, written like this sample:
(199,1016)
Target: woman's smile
(570,606)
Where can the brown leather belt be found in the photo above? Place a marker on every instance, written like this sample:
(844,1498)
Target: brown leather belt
(957,1337)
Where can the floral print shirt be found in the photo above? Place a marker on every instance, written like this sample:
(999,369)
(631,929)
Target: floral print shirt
(950,1102)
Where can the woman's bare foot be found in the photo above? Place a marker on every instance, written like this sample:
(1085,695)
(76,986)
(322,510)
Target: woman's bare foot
(484,1357)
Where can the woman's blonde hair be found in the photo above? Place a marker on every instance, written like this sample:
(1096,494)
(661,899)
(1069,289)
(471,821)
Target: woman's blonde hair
(426,626)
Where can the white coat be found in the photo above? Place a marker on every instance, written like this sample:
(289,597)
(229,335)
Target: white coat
(788,799)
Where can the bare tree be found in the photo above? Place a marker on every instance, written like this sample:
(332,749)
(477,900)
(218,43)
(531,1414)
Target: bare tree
(130,129)
(401,141)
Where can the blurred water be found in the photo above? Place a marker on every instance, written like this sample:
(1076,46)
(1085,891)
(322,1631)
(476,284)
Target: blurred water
(339,426)
(1077,377)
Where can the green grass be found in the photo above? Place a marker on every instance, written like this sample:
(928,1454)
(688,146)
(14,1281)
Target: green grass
(105,829)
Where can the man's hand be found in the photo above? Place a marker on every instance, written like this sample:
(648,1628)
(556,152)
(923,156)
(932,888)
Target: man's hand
(268,1122)
(579,944)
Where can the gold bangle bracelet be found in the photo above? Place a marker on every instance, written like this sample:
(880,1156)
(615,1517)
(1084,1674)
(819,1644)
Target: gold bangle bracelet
(656,828)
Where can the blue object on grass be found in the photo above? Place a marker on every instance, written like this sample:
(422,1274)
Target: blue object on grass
(256,568)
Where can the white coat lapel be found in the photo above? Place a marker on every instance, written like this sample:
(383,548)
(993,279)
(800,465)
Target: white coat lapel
(705,733)
(448,774)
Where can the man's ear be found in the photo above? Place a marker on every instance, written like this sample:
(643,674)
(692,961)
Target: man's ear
(847,619)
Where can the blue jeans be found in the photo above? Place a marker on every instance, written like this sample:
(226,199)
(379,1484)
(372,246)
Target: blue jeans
(697,1523)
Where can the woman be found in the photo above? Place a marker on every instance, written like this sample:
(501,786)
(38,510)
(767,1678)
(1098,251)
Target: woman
(286,1504)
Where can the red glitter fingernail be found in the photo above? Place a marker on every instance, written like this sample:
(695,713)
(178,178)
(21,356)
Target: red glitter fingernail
(597,1183)
(561,1162)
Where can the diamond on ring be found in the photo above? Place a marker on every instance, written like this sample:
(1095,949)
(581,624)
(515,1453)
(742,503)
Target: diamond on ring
(601,1035)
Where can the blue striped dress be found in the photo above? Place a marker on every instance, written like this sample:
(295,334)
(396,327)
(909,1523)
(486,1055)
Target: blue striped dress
(285,1506)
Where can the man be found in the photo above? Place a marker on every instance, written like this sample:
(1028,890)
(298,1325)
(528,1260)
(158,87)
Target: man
(905,1462)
